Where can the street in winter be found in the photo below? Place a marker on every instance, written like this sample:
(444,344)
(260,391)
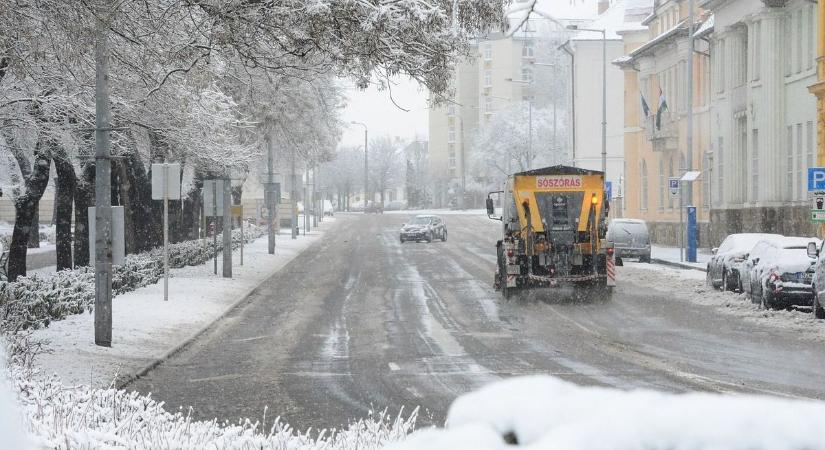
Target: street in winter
(412,225)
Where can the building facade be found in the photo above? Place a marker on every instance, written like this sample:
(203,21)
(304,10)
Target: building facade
(656,122)
(762,116)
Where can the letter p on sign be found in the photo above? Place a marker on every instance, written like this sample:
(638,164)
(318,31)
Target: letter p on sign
(816,178)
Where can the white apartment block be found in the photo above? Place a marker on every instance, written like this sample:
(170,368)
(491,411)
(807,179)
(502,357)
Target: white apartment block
(763,119)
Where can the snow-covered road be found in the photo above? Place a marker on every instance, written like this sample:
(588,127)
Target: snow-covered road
(359,322)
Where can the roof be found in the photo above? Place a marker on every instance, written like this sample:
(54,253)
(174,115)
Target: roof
(705,29)
(679,30)
(559,170)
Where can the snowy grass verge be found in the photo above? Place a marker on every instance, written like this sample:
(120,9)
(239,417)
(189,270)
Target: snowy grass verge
(31,302)
(690,285)
(58,416)
(546,413)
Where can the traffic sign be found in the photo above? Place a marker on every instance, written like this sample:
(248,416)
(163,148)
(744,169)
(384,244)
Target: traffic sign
(817,200)
(608,188)
(816,178)
(673,185)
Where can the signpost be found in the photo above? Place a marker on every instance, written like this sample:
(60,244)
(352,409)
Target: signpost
(213,207)
(816,193)
(673,186)
(166,186)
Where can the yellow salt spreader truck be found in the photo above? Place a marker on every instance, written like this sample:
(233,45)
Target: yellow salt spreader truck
(554,227)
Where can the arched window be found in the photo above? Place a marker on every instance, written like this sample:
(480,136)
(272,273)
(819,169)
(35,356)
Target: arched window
(643,190)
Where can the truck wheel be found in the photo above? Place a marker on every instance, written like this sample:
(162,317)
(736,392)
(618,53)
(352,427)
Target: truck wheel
(429,237)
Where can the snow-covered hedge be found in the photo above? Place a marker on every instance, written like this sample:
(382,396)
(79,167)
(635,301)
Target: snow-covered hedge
(33,301)
(546,413)
(57,416)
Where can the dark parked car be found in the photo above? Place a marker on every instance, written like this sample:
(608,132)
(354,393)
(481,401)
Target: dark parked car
(630,238)
(723,267)
(779,272)
(424,228)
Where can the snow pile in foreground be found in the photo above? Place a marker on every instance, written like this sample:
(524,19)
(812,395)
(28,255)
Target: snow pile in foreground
(541,412)
(11,423)
(63,417)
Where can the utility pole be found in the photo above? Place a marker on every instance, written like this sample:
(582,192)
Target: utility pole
(294,219)
(226,221)
(103,189)
(691,45)
(272,203)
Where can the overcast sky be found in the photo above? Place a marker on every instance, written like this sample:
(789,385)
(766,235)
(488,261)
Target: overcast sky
(376,109)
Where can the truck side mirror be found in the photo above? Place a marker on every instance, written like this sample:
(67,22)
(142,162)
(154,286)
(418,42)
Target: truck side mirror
(813,251)
(714,250)
(490,208)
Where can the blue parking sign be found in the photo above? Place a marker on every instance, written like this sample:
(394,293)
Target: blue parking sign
(608,189)
(816,178)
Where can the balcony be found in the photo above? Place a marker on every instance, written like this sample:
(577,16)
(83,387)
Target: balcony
(666,137)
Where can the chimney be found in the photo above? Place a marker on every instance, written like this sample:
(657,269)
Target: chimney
(603,5)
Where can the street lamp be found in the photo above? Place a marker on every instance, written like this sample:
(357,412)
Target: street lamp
(366,174)
(604,92)
(529,123)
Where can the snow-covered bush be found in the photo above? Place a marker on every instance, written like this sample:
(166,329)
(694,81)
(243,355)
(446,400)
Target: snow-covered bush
(65,417)
(31,302)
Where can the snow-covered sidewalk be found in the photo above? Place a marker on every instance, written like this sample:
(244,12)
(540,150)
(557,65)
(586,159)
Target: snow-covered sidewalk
(145,328)
(671,255)
(690,285)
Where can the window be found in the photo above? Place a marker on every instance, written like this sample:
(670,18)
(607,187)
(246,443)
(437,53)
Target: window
(488,51)
(451,134)
(755,167)
(720,169)
(721,65)
(452,162)
(789,192)
(643,191)
(451,109)
(706,180)
(451,150)
(742,63)
(669,174)
(488,78)
(789,54)
(799,41)
(742,147)
(488,104)
(527,74)
(528,50)
(801,186)
(662,183)
(811,31)
(755,49)
(810,143)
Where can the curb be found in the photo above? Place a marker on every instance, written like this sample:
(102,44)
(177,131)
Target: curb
(677,265)
(131,378)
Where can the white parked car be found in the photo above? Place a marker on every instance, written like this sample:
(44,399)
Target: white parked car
(723,267)
(779,272)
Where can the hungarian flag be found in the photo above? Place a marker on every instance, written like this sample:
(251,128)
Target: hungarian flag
(662,108)
(645,108)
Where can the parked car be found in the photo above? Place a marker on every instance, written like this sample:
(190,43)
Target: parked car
(630,238)
(779,272)
(816,250)
(723,267)
(424,228)
(395,205)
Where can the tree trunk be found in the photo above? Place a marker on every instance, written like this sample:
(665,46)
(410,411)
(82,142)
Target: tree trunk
(83,199)
(125,199)
(63,199)
(191,212)
(140,199)
(25,209)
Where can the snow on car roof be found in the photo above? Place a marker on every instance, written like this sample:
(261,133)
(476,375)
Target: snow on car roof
(628,221)
(796,241)
(744,242)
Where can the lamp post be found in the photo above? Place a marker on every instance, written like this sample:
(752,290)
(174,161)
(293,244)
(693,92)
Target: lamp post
(604,92)
(566,48)
(366,173)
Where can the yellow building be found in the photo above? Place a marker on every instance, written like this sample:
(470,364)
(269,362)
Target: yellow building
(818,88)
(656,142)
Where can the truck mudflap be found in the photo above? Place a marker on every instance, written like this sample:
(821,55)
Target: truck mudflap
(610,266)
